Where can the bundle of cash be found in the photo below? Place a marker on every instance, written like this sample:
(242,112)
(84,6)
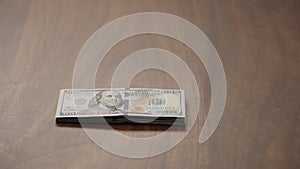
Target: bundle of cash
(121,105)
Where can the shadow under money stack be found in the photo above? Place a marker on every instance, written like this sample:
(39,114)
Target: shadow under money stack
(122,105)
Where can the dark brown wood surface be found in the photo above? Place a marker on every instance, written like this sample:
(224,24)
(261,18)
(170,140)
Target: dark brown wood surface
(258,42)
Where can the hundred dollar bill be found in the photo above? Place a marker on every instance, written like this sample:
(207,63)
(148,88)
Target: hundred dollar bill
(157,106)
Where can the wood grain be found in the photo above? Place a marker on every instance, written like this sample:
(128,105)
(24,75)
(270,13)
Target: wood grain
(258,42)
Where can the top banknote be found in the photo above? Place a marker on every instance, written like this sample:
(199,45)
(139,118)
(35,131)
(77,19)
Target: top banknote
(135,102)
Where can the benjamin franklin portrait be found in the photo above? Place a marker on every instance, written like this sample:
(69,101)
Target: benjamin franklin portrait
(107,102)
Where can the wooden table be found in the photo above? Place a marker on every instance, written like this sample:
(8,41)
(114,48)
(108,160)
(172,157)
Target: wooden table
(258,42)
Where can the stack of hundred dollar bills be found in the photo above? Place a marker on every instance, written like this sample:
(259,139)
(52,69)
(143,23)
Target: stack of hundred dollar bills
(121,105)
